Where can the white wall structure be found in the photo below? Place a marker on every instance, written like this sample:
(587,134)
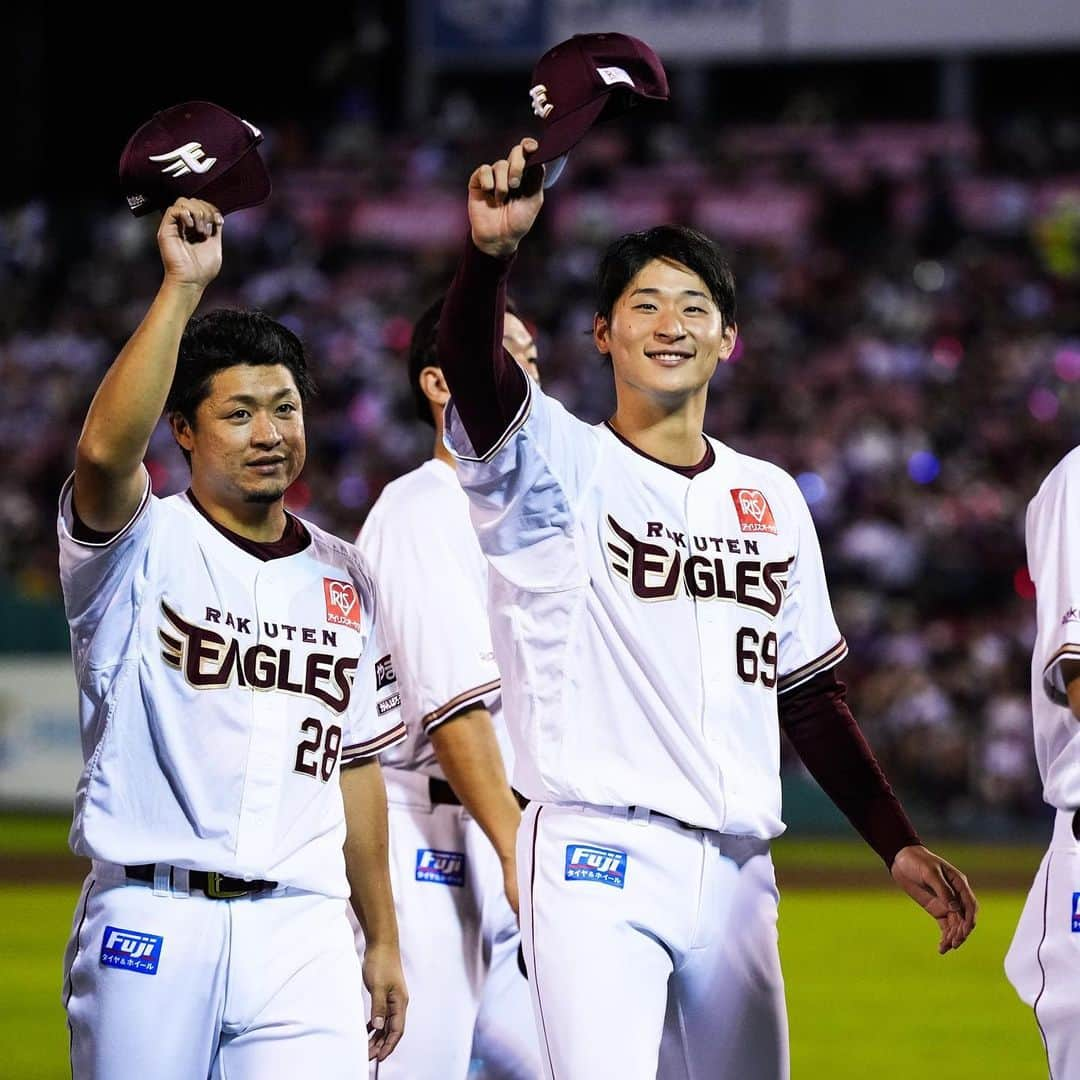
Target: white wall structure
(40,757)
(742,29)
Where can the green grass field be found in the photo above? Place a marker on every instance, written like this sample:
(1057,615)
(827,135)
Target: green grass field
(868,995)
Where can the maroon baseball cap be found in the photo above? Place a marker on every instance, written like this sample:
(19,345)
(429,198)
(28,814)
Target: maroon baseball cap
(197,150)
(586,79)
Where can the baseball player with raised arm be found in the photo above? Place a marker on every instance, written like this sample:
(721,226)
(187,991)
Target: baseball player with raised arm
(231,710)
(1042,963)
(658,603)
(453,816)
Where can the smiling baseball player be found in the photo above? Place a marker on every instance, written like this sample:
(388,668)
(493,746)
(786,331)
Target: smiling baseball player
(453,817)
(1042,960)
(658,602)
(230,711)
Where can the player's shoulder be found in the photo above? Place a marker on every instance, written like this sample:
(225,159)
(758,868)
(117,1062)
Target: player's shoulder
(433,479)
(331,550)
(415,499)
(750,471)
(1064,474)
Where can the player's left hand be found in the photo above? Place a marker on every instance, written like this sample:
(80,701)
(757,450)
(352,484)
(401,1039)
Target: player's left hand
(941,889)
(389,999)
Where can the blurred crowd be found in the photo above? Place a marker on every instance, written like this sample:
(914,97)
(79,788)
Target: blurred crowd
(909,349)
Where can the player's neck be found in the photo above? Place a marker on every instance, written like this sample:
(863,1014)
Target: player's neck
(262,522)
(673,436)
(438,450)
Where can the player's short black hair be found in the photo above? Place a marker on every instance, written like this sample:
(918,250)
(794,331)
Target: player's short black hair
(224,338)
(625,256)
(422,353)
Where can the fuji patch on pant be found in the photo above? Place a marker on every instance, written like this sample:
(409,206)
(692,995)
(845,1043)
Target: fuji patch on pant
(1076,913)
(588,862)
(131,950)
(440,867)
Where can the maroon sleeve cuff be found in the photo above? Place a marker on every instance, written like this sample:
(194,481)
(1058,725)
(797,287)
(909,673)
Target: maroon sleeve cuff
(825,735)
(84,534)
(485,382)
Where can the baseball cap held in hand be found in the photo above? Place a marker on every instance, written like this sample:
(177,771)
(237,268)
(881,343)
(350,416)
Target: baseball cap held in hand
(588,78)
(194,150)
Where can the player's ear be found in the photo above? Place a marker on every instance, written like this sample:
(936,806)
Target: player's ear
(727,345)
(434,386)
(601,332)
(182,431)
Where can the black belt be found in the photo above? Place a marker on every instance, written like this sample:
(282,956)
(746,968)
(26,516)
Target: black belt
(216,886)
(442,794)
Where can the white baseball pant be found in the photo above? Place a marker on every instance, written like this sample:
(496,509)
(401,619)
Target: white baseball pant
(1044,957)
(651,947)
(175,986)
(459,943)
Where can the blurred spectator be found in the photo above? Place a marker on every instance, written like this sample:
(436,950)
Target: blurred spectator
(909,351)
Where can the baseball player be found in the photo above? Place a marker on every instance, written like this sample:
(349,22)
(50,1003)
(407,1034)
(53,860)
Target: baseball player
(231,702)
(658,602)
(453,817)
(1041,963)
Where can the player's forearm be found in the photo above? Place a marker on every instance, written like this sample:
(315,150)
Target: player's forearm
(469,755)
(367,863)
(1070,674)
(820,726)
(488,388)
(130,399)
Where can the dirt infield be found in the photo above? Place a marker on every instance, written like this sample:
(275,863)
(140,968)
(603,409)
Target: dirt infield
(61,869)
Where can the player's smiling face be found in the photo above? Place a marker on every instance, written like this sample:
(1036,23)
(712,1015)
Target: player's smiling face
(666,334)
(247,444)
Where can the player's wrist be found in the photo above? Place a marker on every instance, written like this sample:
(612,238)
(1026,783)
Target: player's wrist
(175,287)
(496,249)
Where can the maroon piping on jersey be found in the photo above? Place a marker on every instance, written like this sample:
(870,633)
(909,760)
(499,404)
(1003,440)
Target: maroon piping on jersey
(70,978)
(293,540)
(1038,957)
(819,724)
(689,471)
(485,382)
(532,917)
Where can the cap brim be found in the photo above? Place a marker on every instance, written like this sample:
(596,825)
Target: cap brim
(246,184)
(554,169)
(565,133)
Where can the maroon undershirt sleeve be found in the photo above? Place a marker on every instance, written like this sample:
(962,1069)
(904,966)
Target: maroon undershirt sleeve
(819,724)
(486,384)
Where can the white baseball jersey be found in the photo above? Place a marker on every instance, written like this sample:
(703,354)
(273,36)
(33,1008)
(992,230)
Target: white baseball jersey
(644,621)
(217,694)
(1053,551)
(433,583)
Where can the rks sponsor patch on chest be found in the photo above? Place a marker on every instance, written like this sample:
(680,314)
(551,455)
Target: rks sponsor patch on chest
(1076,913)
(131,950)
(755,514)
(342,603)
(440,867)
(588,862)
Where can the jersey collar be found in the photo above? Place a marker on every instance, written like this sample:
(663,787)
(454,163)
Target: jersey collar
(689,471)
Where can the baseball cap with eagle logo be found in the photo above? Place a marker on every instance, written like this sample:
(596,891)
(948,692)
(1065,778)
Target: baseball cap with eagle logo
(584,80)
(194,150)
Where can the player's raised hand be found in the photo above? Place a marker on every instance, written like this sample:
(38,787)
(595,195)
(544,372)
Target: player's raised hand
(189,239)
(389,999)
(939,888)
(504,199)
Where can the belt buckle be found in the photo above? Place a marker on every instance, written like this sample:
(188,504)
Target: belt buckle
(214,890)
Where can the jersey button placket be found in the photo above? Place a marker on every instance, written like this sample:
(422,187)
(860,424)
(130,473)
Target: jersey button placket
(269,718)
(701,522)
